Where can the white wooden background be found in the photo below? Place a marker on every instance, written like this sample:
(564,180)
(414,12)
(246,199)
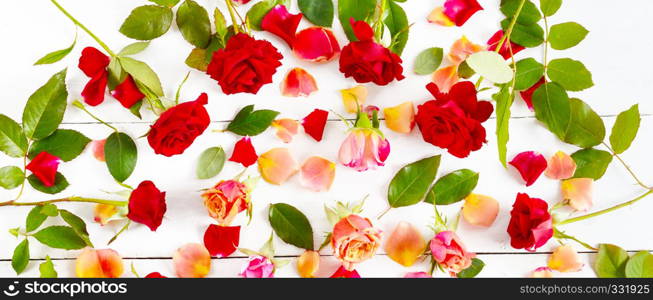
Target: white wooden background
(616,51)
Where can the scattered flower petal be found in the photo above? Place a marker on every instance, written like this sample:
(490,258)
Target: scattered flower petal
(314,123)
(317,173)
(446,77)
(127,93)
(97,147)
(44,167)
(298,83)
(461,49)
(527,95)
(560,166)
(400,118)
(493,42)
(454,12)
(417,275)
(94,63)
(308,263)
(277,165)
(105,263)
(578,191)
(192,261)
(147,205)
(244,152)
(221,241)
(405,244)
(281,23)
(342,272)
(155,275)
(437,16)
(565,259)
(286,129)
(354,98)
(258,267)
(104,212)
(530,165)
(225,200)
(316,44)
(542,272)
(480,210)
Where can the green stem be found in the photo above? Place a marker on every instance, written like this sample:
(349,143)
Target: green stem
(384,212)
(545,59)
(68,199)
(83,108)
(605,211)
(230,7)
(560,234)
(378,25)
(639,182)
(22,185)
(80,25)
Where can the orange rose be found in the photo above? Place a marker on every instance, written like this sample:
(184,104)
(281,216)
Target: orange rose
(225,200)
(354,239)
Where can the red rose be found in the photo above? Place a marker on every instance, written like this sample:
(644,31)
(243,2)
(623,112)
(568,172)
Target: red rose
(244,65)
(147,205)
(530,223)
(453,121)
(178,127)
(368,61)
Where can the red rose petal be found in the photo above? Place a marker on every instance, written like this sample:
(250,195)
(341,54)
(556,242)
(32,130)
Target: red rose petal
(155,275)
(314,123)
(298,83)
(344,273)
(459,11)
(316,44)
(530,165)
(244,152)
(527,95)
(44,167)
(147,205)
(362,30)
(221,241)
(281,23)
(493,42)
(93,92)
(127,93)
(93,61)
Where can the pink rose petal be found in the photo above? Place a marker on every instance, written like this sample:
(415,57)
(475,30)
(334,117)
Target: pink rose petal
(560,166)
(530,165)
(317,173)
(277,165)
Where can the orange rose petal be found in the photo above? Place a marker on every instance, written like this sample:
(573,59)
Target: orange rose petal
(400,118)
(405,245)
(461,49)
(298,83)
(560,166)
(437,16)
(542,272)
(277,165)
(308,263)
(317,173)
(445,78)
(565,259)
(98,149)
(286,129)
(192,261)
(105,263)
(480,210)
(578,191)
(353,98)
(104,212)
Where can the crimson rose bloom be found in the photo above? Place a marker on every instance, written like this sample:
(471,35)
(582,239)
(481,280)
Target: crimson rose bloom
(367,60)
(530,223)
(453,121)
(147,205)
(244,65)
(177,127)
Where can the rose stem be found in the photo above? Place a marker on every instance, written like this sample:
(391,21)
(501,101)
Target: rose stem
(605,211)
(230,7)
(100,42)
(639,182)
(83,108)
(68,199)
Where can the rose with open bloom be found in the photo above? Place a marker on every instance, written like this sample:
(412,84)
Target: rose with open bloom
(448,251)
(368,61)
(530,224)
(179,126)
(44,166)
(258,266)
(147,205)
(454,12)
(226,199)
(453,121)
(104,263)
(244,65)
(354,240)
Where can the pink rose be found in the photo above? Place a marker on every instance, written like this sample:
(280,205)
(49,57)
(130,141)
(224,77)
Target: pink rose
(258,267)
(449,252)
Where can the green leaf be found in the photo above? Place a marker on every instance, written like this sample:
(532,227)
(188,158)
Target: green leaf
(464,71)
(318,12)
(56,56)
(360,10)
(428,61)
(45,108)
(63,143)
(570,74)
(452,187)
(116,73)
(77,224)
(256,14)
(134,48)
(13,141)
(473,270)
(60,237)
(142,73)
(20,259)
(34,219)
(526,35)
(410,184)
(566,35)
(147,22)
(552,107)
(216,44)
(197,59)
(528,15)
(250,122)
(194,23)
(625,129)
(11,177)
(291,225)
(120,154)
(60,184)
(504,99)
(550,7)
(210,163)
(591,163)
(586,128)
(490,65)
(529,72)
(220,24)
(640,265)
(397,23)
(46,269)
(610,261)
(50,210)
(166,3)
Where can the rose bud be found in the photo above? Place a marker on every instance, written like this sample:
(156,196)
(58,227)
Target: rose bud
(258,267)
(308,263)
(354,240)
(226,199)
(147,205)
(448,251)
(530,224)
(105,263)
(365,147)
(565,259)
(192,261)
(405,245)
(44,166)
(316,44)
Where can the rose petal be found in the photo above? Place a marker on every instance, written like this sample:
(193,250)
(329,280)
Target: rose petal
(461,49)
(565,259)
(344,273)
(277,165)
(244,152)
(527,95)
(480,210)
(105,263)
(459,11)
(362,30)
(281,23)
(542,272)
(258,267)
(93,92)
(104,212)
(530,165)
(560,166)
(192,261)
(314,123)
(437,16)
(417,275)
(147,205)
(308,263)
(97,147)
(354,98)
(286,129)
(44,167)
(400,118)
(493,42)
(445,78)
(127,93)
(317,173)
(221,241)
(155,275)
(578,191)
(92,62)
(298,83)
(316,44)
(405,245)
